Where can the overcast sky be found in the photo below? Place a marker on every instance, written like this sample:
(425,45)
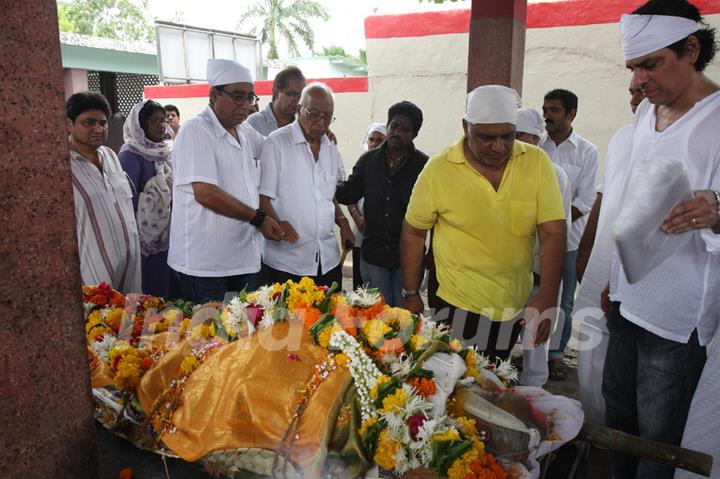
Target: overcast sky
(345,27)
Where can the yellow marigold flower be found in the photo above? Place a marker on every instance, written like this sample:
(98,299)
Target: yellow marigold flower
(128,372)
(252,297)
(455,345)
(374,331)
(418,343)
(341,359)
(449,435)
(386,450)
(185,325)
(394,401)
(382,379)
(114,316)
(468,426)
(460,469)
(189,364)
(324,336)
(203,331)
(366,425)
(397,318)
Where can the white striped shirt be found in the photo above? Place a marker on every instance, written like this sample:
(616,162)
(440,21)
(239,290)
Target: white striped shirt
(683,292)
(107,234)
(202,242)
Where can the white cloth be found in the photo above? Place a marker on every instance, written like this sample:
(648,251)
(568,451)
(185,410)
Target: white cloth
(681,294)
(492,104)
(530,121)
(656,186)
(702,430)
(579,158)
(202,242)
(587,315)
(107,235)
(566,192)
(643,34)
(301,191)
(225,72)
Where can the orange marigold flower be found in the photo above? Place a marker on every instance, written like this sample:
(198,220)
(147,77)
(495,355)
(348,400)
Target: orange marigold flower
(126,473)
(425,387)
(146,362)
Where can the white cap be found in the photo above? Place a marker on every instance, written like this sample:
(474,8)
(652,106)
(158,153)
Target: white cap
(225,72)
(492,104)
(643,34)
(530,121)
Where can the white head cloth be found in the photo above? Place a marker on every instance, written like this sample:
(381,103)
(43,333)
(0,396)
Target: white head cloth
(530,121)
(372,129)
(225,72)
(643,34)
(492,104)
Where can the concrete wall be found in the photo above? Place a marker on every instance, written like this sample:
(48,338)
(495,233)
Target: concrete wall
(74,80)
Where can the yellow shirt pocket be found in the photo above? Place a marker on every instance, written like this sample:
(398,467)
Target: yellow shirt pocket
(523,217)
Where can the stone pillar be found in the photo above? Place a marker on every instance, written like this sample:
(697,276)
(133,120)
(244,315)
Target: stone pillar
(75,79)
(46,416)
(497,43)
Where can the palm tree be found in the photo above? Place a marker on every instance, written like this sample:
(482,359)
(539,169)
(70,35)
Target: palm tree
(286,20)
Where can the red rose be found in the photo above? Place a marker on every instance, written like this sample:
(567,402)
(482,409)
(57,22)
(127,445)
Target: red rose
(415,423)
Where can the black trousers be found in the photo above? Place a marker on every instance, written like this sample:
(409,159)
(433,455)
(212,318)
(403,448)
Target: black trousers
(492,338)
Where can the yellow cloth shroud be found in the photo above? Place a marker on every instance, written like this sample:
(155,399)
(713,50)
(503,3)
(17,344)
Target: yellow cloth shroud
(246,394)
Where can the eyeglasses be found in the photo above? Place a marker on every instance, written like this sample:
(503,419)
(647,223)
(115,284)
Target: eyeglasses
(239,98)
(291,94)
(158,122)
(316,115)
(92,123)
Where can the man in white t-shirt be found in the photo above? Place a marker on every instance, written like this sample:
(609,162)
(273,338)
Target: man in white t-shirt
(660,324)
(216,225)
(301,168)
(579,158)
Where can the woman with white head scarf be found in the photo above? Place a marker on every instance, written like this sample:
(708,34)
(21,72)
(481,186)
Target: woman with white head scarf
(373,138)
(145,157)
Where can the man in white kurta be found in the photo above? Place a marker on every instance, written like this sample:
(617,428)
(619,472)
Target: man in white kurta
(659,325)
(300,171)
(216,227)
(579,159)
(108,243)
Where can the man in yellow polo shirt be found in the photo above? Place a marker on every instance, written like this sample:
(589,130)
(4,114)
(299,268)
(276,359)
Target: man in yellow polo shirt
(486,197)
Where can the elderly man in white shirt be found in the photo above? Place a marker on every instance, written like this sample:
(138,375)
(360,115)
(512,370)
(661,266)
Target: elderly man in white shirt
(216,225)
(579,158)
(301,168)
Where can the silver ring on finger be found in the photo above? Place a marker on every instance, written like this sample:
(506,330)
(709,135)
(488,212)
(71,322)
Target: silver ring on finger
(693,222)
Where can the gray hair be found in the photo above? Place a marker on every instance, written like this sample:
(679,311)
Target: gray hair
(315,86)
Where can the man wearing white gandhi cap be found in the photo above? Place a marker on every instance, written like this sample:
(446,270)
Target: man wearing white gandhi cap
(660,324)
(486,196)
(216,222)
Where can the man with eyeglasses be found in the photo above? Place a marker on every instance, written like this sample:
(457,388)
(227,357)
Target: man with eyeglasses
(287,86)
(215,241)
(301,168)
(486,198)
(108,243)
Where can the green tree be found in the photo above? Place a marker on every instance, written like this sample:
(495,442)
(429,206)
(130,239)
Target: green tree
(119,19)
(334,50)
(286,20)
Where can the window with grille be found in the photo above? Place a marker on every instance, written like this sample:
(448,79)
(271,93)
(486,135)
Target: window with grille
(123,90)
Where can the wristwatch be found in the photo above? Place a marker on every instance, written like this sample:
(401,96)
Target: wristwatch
(259,218)
(406,293)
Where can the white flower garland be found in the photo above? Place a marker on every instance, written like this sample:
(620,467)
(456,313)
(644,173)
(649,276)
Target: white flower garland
(363,297)
(362,369)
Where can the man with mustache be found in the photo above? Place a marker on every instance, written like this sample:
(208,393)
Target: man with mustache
(385,177)
(579,158)
(216,224)
(301,168)
(487,197)
(108,242)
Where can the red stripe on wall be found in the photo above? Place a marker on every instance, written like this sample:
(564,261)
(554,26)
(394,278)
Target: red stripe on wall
(263,87)
(539,15)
